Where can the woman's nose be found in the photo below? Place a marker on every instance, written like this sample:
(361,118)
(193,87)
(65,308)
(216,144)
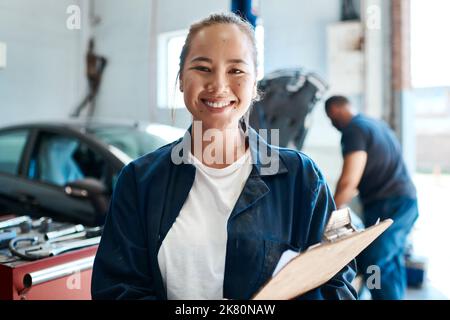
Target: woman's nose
(218,84)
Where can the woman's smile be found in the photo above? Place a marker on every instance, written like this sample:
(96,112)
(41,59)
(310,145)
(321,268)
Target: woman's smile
(219,78)
(217,106)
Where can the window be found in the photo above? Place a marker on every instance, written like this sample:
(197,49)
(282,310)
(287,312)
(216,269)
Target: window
(430,51)
(11,148)
(134,143)
(59,160)
(170,45)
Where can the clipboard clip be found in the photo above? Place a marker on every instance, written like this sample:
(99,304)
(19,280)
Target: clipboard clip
(339,225)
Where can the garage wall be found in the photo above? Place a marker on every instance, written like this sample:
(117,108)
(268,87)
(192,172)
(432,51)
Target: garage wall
(42,77)
(123,37)
(295,32)
(295,36)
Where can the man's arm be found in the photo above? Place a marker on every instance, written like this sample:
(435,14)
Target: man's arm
(352,171)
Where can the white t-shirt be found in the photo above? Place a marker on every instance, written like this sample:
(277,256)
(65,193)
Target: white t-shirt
(192,255)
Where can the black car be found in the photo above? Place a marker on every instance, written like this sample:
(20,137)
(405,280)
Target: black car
(66,170)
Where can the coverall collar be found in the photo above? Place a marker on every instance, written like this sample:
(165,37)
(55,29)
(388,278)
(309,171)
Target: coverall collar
(265,158)
(254,190)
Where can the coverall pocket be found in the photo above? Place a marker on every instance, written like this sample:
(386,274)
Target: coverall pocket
(272,252)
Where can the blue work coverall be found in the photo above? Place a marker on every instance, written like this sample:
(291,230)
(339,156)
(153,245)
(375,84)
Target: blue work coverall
(276,211)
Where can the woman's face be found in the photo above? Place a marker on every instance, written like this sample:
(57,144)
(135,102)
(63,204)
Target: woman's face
(218,79)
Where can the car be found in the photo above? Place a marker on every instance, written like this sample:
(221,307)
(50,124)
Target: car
(67,169)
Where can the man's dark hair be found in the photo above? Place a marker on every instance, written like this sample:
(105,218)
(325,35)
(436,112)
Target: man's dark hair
(335,100)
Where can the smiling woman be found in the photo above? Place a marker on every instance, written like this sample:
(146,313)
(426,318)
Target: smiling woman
(218,72)
(200,229)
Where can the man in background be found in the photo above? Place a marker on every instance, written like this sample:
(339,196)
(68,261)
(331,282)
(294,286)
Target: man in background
(374,166)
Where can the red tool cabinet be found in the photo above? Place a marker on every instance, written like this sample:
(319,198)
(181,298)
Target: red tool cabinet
(67,276)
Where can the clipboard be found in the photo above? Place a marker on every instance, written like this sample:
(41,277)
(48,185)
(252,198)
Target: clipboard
(308,270)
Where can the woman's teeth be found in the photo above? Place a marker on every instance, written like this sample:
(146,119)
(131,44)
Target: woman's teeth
(218,104)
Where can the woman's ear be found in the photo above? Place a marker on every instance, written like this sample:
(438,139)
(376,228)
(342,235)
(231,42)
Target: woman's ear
(181,85)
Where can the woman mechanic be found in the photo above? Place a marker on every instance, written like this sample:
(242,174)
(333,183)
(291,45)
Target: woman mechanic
(213,225)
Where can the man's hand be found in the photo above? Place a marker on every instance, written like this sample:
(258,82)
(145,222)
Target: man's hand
(352,171)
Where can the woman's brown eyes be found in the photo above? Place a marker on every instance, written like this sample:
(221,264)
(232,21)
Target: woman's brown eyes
(205,69)
(237,71)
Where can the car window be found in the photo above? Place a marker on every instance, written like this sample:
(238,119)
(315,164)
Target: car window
(59,160)
(11,148)
(132,142)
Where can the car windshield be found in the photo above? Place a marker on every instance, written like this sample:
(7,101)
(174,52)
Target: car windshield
(136,142)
